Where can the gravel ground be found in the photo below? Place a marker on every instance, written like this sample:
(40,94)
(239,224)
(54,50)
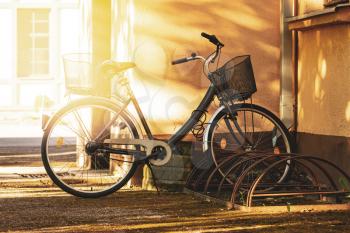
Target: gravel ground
(30,204)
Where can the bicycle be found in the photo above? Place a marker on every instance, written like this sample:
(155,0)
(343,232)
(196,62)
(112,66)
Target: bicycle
(92,146)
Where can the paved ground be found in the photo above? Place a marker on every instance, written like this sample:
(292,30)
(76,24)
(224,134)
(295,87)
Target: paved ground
(33,204)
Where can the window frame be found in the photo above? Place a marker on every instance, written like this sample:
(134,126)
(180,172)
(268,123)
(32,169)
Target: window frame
(35,76)
(54,77)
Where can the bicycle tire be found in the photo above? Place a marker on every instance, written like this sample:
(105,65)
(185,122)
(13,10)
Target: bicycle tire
(256,109)
(94,101)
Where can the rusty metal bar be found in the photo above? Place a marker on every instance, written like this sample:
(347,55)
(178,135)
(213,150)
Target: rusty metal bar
(243,175)
(234,168)
(307,158)
(218,168)
(233,173)
(228,159)
(276,194)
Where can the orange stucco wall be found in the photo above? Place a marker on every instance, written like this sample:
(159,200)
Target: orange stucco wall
(169,29)
(324,81)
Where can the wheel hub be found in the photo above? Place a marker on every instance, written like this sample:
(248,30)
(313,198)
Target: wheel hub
(91,147)
(159,153)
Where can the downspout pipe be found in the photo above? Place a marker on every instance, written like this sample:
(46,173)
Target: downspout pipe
(286,85)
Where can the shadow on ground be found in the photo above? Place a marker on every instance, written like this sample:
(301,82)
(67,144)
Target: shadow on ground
(40,207)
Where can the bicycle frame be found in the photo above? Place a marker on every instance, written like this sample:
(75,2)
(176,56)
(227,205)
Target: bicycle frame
(203,105)
(186,127)
(196,114)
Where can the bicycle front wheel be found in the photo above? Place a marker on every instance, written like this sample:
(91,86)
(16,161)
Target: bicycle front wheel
(248,128)
(64,153)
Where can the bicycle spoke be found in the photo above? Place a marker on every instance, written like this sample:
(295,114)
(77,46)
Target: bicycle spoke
(249,131)
(74,130)
(82,125)
(228,125)
(72,166)
(105,129)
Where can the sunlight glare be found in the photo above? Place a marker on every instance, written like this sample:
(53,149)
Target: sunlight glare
(347,111)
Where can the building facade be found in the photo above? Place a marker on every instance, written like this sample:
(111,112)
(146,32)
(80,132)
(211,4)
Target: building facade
(322,80)
(34,36)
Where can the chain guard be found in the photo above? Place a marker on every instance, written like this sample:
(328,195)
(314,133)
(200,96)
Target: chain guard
(149,145)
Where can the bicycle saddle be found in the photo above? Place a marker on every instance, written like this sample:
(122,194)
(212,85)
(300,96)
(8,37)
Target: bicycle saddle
(113,67)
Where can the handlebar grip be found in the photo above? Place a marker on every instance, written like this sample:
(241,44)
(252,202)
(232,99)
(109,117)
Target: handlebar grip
(212,39)
(179,61)
(205,35)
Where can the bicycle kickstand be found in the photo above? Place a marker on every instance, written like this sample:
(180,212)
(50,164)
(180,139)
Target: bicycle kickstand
(153,176)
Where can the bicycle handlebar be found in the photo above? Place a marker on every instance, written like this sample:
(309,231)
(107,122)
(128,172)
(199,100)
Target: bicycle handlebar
(210,59)
(179,61)
(185,59)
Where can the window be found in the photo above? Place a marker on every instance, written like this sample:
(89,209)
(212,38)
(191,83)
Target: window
(33,36)
(32,42)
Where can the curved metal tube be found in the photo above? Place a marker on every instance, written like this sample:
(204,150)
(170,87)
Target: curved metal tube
(217,168)
(302,157)
(194,171)
(232,169)
(241,178)
(200,177)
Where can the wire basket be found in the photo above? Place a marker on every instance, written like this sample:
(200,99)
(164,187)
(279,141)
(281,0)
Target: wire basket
(78,73)
(235,80)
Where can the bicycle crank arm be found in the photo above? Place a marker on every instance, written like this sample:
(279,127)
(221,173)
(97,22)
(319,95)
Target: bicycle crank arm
(151,147)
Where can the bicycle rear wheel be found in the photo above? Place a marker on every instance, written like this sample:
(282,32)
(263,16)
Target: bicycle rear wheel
(64,154)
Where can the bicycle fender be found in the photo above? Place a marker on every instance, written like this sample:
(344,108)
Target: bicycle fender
(206,131)
(46,118)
